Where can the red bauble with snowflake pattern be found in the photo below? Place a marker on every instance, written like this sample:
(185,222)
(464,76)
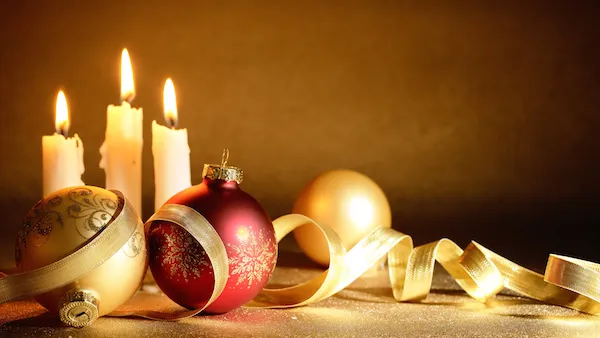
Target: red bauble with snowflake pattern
(180,265)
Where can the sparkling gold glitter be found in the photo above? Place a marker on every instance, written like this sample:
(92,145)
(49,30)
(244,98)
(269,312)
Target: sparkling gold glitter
(365,309)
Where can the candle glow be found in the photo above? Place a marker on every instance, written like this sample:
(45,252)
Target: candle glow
(122,148)
(62,156)
(127,87)
(170,104)
(61,120)
(171,152)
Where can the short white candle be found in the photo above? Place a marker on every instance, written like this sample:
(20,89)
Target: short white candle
(171,152)
(62,157)
(122,148)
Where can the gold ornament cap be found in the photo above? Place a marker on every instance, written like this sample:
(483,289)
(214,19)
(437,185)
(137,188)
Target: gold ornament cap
(78,308)
(223,171)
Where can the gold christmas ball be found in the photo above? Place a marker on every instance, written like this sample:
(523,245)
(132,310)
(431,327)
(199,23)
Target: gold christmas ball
(349,202)
(64,222)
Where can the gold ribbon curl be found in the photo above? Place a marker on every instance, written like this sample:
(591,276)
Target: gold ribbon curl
(480,272)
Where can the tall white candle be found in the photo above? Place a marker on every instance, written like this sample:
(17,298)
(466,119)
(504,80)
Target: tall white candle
(122,148)
(171,152)
(62,157)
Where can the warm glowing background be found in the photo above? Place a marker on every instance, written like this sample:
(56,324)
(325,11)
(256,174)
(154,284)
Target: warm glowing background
(479,120)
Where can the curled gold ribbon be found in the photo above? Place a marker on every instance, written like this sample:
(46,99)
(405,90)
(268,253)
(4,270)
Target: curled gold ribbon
(480,272)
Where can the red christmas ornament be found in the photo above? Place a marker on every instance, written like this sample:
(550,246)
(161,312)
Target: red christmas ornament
(180,265)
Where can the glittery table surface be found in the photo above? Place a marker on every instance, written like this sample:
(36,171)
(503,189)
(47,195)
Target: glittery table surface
(364,309)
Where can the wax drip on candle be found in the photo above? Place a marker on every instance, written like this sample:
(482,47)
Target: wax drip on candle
(61,122)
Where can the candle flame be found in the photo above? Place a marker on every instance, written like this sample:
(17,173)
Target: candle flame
(170,104)
(127,88)
(61,121)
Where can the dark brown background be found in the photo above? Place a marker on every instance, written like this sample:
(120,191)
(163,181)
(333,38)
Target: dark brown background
(478,119)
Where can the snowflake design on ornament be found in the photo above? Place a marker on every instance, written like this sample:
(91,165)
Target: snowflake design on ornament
(183,256)
(252,260)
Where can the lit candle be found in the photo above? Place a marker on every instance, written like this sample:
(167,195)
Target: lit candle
(122,148)
(62,157)
(171,152)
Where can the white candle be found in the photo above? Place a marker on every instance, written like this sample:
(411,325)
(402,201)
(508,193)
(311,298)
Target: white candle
(122,148)
(171,152)
(62,157)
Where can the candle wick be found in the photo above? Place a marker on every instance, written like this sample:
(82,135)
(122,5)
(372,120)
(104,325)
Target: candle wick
(129,96)
(171,122)
(62,130)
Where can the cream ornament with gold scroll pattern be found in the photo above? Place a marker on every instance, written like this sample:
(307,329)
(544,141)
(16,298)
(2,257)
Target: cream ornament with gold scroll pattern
(61,224)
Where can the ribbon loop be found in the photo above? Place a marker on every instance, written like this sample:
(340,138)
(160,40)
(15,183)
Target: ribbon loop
(480,272)
(203,232)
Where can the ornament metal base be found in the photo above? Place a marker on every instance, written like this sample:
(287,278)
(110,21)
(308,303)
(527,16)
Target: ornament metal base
(78,308)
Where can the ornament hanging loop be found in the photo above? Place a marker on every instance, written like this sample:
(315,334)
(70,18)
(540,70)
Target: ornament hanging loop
(223,171)
(225,157)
